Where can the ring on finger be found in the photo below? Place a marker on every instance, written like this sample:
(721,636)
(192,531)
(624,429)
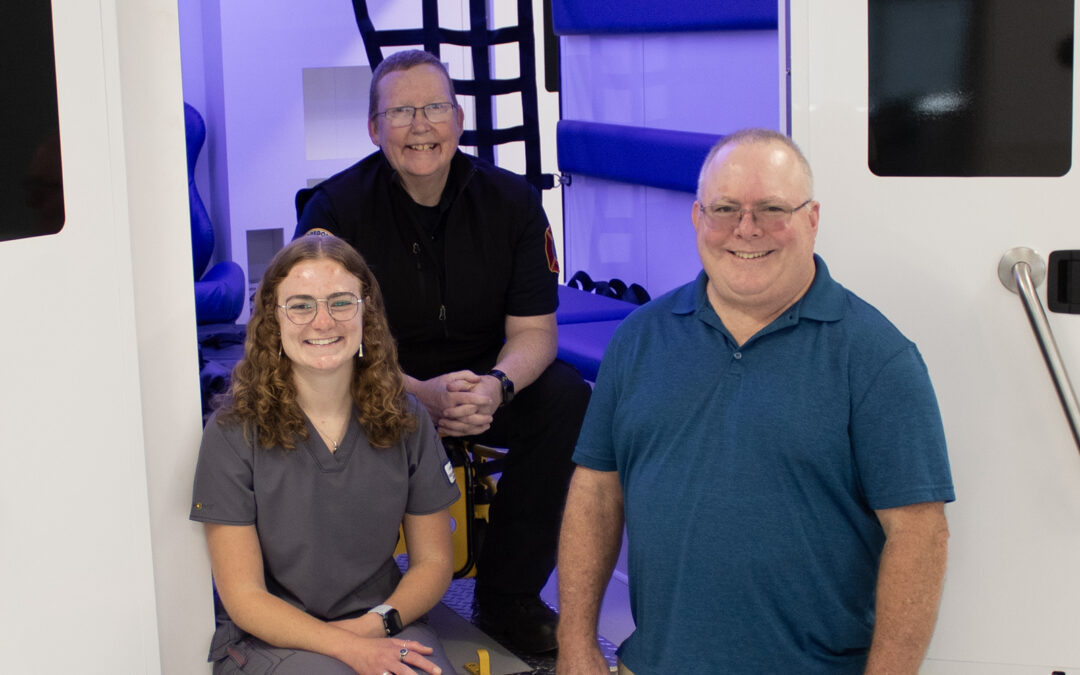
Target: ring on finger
(403,653)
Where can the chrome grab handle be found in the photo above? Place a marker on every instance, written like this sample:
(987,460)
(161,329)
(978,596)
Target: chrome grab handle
(1021,270)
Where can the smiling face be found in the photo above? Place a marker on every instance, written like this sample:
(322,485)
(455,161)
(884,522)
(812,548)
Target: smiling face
(754,270)
(325,345)
(420,152)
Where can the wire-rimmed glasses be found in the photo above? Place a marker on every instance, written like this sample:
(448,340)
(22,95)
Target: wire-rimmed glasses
(301,309)
(402,115)
(767,215)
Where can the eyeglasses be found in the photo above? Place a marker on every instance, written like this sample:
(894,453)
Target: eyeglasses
(769,216)
(402,116)
(301,309)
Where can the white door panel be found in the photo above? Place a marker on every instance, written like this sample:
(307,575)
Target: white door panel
(925,251)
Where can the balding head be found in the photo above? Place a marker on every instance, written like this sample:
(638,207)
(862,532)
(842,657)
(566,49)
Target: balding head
(756,135)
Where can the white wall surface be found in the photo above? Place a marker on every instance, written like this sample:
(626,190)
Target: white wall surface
(99,399)
(194,77)
(704,82)
(707,82)
(925,251)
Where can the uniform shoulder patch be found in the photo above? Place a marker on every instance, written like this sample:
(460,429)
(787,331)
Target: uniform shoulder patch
(549,249)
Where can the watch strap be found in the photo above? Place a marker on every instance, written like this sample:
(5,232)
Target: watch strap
(390,618)
(507,385)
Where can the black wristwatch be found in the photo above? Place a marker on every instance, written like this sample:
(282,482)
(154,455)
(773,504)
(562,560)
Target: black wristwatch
(391,620)
(507,385)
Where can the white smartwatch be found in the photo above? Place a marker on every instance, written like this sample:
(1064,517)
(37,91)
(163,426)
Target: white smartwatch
(390,618)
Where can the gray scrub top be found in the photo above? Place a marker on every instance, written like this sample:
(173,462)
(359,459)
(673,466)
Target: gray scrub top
(327,522)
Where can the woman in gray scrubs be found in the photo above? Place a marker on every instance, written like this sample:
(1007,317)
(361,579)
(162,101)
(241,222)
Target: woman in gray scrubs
(315,458)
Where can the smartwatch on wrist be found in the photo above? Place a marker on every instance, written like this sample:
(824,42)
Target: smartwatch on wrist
(391,620)
(507,385)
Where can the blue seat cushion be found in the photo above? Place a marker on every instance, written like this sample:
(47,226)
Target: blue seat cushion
(219,295)
(578,306)
(659,158)
(584,17)
(582,345)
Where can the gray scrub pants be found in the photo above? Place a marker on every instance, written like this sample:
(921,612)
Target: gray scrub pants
(262,659)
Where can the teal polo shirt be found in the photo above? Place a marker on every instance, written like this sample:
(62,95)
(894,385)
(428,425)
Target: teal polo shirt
(751,474)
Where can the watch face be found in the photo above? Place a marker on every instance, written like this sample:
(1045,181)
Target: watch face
(392,622)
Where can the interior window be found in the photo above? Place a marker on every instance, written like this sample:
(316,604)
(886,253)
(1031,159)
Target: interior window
(31,184)
(970,88)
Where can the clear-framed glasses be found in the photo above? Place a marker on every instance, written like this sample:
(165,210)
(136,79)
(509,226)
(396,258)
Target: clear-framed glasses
(767,215)
(301,309)
(402,115)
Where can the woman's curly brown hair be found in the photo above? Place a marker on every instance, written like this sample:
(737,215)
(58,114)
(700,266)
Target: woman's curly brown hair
(262,396)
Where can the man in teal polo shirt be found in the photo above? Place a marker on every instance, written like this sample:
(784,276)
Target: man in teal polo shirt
(774,447)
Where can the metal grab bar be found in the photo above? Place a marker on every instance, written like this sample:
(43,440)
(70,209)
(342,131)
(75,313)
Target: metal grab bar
(1021,270)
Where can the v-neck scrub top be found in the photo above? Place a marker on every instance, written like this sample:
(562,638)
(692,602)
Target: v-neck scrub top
(327,522)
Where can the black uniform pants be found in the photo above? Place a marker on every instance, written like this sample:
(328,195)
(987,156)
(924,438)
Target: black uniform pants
(539,429)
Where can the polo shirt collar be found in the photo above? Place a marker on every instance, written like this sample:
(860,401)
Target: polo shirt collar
(823,301)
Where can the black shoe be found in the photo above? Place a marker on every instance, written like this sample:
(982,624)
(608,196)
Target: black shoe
(524,622)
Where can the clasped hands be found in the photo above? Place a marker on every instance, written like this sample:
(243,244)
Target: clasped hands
(461,403)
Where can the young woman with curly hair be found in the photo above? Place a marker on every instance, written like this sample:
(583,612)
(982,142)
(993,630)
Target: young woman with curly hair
(306,471)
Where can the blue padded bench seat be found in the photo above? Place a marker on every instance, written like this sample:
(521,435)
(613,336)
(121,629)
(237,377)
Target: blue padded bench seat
(660,158)
(576,17)
(582,345)
(578,306)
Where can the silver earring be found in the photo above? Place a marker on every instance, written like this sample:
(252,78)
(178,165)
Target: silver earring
(360,354)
